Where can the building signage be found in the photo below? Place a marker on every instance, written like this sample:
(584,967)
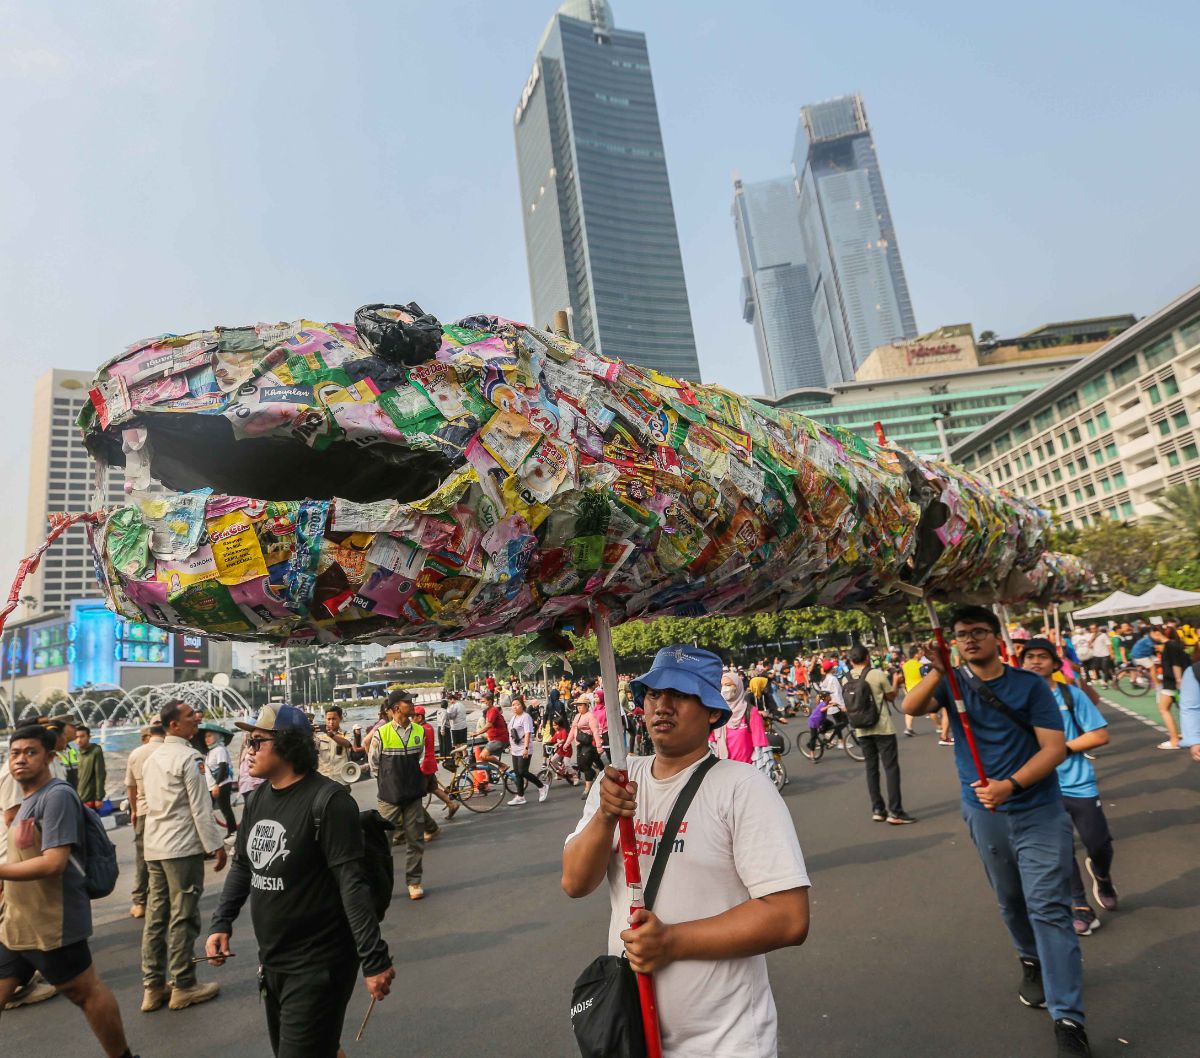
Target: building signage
(527,92)
(928,354)
(191,651)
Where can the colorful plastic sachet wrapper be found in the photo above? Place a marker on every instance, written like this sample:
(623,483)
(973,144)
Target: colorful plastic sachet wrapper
(407,479)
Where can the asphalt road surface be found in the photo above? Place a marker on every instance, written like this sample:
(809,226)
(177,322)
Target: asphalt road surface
(907,954)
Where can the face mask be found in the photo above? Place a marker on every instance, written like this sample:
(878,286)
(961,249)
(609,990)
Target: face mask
(728,693)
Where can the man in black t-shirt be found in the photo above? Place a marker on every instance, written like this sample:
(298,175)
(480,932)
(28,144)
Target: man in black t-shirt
(1175,662)
(310,904)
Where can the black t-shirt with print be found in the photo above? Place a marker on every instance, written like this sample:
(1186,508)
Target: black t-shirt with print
(295,902)
(1173,656)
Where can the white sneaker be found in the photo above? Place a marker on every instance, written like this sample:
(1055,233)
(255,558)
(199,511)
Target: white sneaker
(543,793)
(517,801)
(1168,745)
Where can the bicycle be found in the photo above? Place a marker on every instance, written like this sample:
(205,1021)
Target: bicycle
(1133,679)
(556,767)
(477,785)
(840,733)
(777,739)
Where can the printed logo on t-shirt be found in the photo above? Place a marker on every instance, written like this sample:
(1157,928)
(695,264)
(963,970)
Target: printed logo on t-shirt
(266,844)
(650,834)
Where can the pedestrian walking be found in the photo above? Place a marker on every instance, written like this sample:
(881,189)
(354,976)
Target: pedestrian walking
(218,771)
(333,747)
(1175,661)
(181,832)
(456,717)
(396,752)
(1085,729)
(1189,710)
(47,917)
(734,885)
(152,739)
(744,736)
(93,775)
(1015,817)
(429,767)
(584,739)
(878,740)
(520,730)
(310,905)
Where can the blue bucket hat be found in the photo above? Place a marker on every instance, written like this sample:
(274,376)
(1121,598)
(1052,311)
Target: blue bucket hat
(689,670)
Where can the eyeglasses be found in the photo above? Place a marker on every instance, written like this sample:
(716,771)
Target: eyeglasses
(257,740)
(975,635)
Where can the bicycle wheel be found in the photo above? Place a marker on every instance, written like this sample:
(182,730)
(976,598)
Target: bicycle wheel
(510,781)
(852,746)
(1135,684)
(476,793)
(785,746)
(778,775)
(814,748)
(546,775)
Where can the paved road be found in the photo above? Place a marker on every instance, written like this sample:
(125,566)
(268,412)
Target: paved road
(907,954)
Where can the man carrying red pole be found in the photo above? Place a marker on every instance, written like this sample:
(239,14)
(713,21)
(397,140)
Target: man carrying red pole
(1014,812)
(734,886)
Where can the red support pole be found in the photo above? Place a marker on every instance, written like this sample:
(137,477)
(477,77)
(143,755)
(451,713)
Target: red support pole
(880,436)
(955,691)
(629,852)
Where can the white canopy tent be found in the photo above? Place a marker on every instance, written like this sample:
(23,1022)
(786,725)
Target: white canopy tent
(1119,602)
(1160,597)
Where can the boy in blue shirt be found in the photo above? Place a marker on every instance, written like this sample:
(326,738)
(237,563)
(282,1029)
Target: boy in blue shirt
(1085,729)
(1015,816)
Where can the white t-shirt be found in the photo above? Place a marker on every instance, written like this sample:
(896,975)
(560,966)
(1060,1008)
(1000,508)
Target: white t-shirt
(217,755)
(1101,646)
(736,843)
(518,726)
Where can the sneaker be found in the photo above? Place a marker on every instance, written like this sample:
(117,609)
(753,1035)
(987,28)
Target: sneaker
(1102,889)
(1085,921)
(878,817)
(909,732)
(415,892)
(945,742)
(1071,1039)
(1031,992)
(153,997)
(900,818)
(189,997)
(1169,745)
(429,835)
(137,911)
(517,801)
(37,991)
(543,793)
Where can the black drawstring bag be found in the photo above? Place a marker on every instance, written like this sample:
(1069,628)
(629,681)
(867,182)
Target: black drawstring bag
(606,1013)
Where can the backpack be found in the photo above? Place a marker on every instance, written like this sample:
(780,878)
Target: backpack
(378,867)
(861,708)
(99,867)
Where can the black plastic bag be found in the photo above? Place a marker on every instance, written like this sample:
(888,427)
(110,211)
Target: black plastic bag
(403,334)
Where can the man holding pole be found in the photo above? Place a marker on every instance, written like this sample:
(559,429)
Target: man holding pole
(1015,814)
(734,886)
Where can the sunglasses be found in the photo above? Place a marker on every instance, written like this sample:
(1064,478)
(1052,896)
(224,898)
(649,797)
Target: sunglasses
(257,740)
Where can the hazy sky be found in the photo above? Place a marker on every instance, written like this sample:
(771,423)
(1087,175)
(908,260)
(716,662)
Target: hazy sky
(173,165)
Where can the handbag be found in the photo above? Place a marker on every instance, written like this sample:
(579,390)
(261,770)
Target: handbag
(606,1012)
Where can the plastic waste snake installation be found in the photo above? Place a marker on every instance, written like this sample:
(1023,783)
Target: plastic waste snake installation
(400,478)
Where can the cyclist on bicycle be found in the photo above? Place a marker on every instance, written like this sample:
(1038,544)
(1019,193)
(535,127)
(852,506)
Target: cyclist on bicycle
(496,731)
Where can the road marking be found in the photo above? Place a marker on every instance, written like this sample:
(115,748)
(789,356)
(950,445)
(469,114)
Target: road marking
(1133,714)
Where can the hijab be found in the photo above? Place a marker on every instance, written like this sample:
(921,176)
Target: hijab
(737,718)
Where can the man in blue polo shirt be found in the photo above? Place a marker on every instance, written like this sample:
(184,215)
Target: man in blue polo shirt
(1016,817)
(1085,729)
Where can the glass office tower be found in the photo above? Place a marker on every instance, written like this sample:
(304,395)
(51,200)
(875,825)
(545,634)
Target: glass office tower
(600,230)
(860,295)
(776,290)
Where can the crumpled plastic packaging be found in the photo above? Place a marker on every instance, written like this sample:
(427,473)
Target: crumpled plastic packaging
(424,481)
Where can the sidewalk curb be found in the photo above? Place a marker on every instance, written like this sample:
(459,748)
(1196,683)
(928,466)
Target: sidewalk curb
(1133,714)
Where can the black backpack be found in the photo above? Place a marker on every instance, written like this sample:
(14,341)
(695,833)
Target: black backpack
(99,867)
(378,867)
(861,708)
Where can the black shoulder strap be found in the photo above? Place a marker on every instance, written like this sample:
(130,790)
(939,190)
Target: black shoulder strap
(682,803)
(320,804)
(1063,693)
(989,696)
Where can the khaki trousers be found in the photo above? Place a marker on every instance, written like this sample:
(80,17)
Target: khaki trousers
(172,921)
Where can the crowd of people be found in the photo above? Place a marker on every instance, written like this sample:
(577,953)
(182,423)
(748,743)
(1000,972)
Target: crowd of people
(311,866)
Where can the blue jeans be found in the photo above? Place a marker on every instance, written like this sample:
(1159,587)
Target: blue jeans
(1028,856)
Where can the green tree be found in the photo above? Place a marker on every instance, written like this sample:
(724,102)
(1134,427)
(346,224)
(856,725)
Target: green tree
(1123,555)
(1179,522)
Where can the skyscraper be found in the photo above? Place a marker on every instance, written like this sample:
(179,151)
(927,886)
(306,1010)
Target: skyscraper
(600,230)
(860,295)
(776,290)
(62,477)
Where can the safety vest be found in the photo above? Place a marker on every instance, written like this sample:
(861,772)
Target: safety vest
(400,756)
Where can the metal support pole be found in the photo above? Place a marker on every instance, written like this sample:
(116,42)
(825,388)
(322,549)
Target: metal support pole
(1002,616)
(887,639)
(629,847)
